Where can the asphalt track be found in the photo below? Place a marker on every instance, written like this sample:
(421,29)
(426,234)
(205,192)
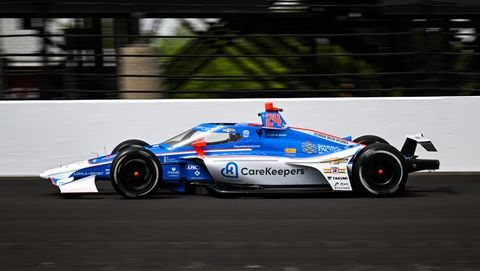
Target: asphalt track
(434,226)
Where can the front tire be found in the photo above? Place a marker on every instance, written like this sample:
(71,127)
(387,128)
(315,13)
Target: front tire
(136,173)
(379,170)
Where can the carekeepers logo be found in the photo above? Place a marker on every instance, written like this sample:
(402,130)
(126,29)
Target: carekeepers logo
(230,170)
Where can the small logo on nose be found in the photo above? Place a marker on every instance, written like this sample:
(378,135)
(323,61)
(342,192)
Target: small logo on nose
(230,170)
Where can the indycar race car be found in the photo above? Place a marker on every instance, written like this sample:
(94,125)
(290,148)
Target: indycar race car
(250,158)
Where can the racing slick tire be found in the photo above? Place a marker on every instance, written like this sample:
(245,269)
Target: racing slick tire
(136,173)
(379,170)
(370,139)
(128,143)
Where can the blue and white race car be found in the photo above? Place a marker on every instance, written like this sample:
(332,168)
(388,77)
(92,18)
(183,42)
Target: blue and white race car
(249,158)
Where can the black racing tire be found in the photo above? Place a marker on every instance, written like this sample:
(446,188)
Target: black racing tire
(379,170)
(370,139)
(136,173)
(129,143)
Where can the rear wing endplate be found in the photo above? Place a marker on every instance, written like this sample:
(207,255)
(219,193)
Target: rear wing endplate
(411,142)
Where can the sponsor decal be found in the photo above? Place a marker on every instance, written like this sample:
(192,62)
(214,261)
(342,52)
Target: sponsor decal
(275,134)
(337,178)
(334,170)
(309,147)
(168,159)
(268,171)
(204,128)
(194,172)
(341,185)
(246,133)
(332,138)
(290,150)
(229,130)
(336,161)
(192,167)
(230,170)
(173,171)
(246,146)
(327,148)
(99,160)
(87,173)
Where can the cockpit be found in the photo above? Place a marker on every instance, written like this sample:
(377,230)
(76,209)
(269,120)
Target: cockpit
(211,134)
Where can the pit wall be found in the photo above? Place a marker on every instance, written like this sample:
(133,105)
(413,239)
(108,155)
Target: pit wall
(38,135)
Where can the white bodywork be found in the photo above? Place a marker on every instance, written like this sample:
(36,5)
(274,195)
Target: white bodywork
(330,169)
(84,185)
(60,177)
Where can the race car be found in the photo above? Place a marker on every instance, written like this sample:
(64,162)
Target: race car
(250,158)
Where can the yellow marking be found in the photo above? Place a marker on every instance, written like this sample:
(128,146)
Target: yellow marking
(290,150)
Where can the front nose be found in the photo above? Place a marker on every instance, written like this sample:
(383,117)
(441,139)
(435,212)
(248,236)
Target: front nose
(45,175)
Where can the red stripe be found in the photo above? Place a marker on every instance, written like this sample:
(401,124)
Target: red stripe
(318,132)
(193,151)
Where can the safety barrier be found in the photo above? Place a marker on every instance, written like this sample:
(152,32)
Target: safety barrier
(37,135)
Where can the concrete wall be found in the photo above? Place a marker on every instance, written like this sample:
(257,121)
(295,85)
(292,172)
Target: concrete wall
(37,135)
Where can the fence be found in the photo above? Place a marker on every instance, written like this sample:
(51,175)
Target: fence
(311,49)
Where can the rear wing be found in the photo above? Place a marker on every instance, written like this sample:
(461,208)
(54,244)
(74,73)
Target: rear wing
(412,141)
(413,163)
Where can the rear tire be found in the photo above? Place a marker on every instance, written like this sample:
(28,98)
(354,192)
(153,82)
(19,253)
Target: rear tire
(379,170)
(370,139)
(136,173)
(129,143)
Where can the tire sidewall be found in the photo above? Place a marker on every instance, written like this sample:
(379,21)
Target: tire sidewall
(370,139)
(360,182)
(129,143)
(126,155)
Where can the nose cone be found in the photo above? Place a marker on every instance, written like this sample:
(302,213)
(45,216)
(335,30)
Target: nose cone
(45,174)
(64,171)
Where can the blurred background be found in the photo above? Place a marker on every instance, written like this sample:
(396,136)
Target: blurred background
(119,49)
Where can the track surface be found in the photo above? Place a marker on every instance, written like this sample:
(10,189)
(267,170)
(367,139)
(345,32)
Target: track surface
(434,226)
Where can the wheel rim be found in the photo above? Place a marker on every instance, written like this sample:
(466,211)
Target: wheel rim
(383,172)
(136,176)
